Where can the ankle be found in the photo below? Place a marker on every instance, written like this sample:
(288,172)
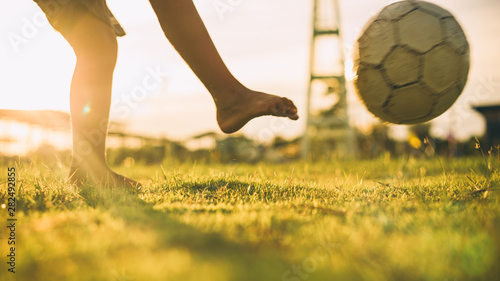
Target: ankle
(227,95)
(89,165)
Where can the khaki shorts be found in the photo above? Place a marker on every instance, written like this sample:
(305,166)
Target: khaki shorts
(62,13)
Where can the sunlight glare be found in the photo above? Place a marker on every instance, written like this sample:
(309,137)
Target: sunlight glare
(349,71)
(86,109)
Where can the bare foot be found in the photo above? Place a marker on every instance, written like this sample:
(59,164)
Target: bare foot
(101,177)
(248,104)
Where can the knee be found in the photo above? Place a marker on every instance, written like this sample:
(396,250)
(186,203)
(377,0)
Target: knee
(94,42)
(106,52)
(102,51)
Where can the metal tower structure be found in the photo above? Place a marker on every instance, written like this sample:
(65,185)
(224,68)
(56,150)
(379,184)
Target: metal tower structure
(328,134)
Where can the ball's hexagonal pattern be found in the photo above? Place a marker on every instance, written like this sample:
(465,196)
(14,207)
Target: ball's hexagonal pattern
(402,66)
(420,31)
(434,9)
(455,35)
(410,103)
(397,10)
(413,62)
(463,72)
(445,100)
(441,68)
(382,113)
(376,42)
(370,80)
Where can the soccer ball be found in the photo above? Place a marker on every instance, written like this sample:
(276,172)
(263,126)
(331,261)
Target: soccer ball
(411,62)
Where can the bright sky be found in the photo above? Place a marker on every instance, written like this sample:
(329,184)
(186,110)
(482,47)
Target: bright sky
(264,43)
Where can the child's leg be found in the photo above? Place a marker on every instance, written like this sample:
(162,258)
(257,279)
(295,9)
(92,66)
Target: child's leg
(236,105)
(95,46)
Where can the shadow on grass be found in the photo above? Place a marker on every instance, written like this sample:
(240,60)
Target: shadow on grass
(234,261)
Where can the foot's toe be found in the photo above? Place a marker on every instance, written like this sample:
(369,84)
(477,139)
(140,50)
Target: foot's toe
(251,105)
(290,109)
(281,107)
(103,178)
(122,181)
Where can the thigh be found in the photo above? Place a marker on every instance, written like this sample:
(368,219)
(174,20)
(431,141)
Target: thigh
(63,14)
(92,40)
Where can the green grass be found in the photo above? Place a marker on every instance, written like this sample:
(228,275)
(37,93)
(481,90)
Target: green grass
(408,219)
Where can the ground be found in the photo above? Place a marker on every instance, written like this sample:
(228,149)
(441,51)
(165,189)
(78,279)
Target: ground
(386,219)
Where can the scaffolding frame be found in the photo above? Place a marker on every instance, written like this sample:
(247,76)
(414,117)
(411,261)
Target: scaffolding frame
(328,133)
